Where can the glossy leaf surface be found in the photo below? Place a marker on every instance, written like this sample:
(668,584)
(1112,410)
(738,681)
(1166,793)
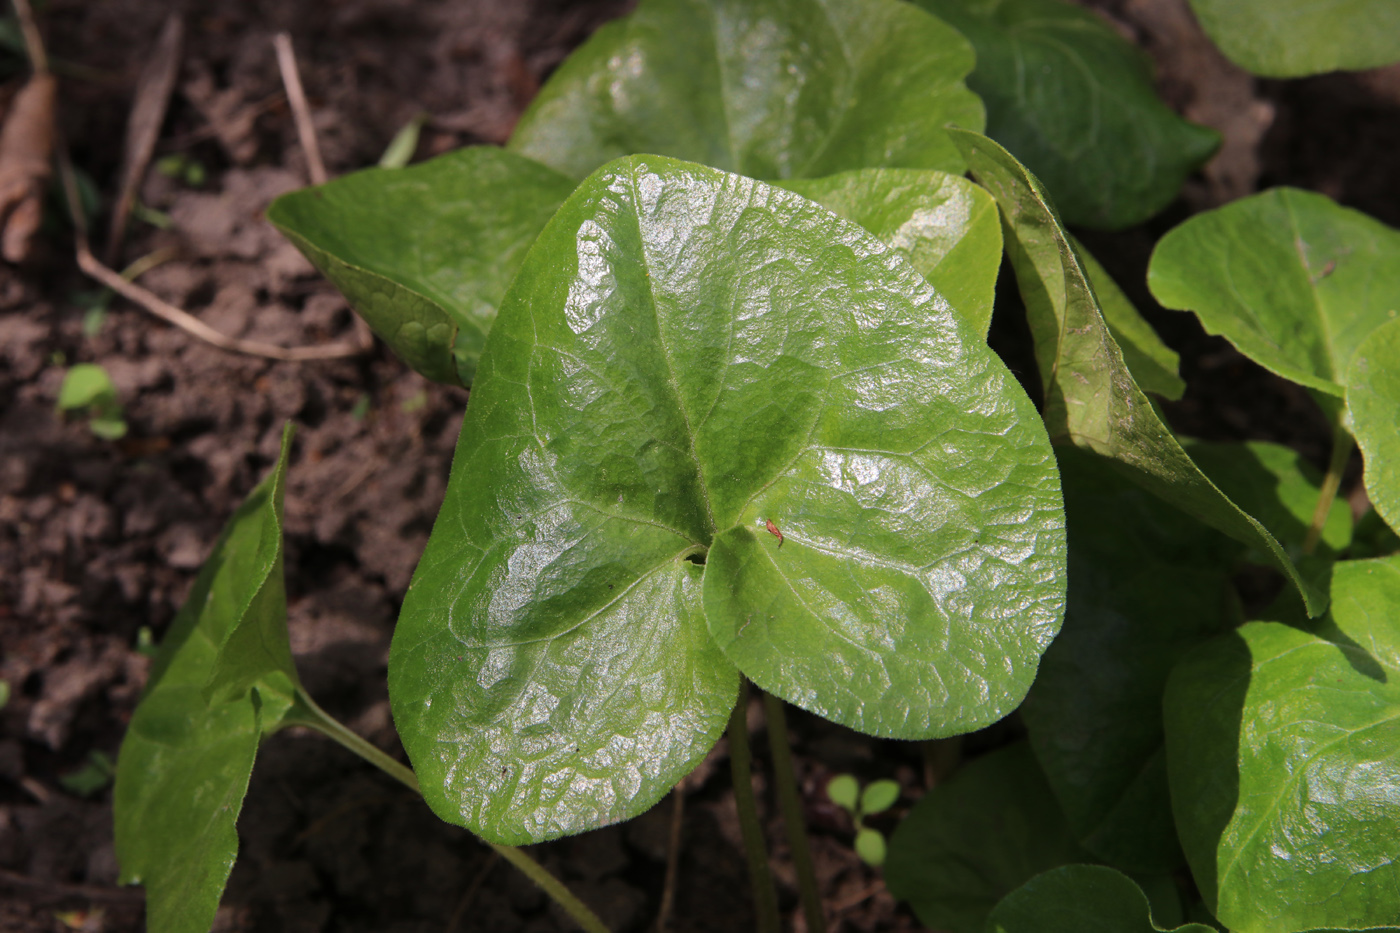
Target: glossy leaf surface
(766,88)
(1079,899)
(691,363)
(1152,363)
(424,254)
(1284,753)
(1292,279)
(1147,584)
(1075,102)
(1091,398)
(188,753)
(977,837)
(1276,485)
(1373,399)
(946,226)
(1292,38)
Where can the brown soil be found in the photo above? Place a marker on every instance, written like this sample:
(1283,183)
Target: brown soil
(100,540)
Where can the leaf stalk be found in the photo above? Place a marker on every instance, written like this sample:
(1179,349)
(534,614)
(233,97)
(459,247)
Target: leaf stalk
(1342,444)
(765,895)
(785,780)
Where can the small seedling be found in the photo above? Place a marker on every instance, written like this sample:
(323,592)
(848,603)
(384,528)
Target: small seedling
(92,777)
(87,388)
(183,168)
(877,797)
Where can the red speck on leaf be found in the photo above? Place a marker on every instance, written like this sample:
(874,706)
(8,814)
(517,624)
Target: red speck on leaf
(773,530)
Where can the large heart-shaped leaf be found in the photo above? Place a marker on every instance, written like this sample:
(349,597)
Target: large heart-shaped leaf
(946,226)
(1373,399)
(1292,38)
(1147,584)
(1283,748)
(977,837)
(686,360)
(766,88)
(1075,102)
(1079,899)
(1151,362)
(1091,398)
(424,254)
(1291,278)
(223,678)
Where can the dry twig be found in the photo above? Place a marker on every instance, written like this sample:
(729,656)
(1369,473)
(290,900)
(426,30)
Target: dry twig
(62,889)
(26,148)
(143,127)
(306,130)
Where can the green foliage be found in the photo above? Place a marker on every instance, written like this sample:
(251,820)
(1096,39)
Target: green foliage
(1076,104)
(632,418)
(1091,399)
(88,389)
(972,840)
(1151,362)
(1293,280)
(1283,752)
(772,89)
(222,679)
(1292,38)
(1373,398)
(94,775)
(1079,899)
(877,797)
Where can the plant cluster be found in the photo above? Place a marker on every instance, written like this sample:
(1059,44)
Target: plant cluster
(722,304)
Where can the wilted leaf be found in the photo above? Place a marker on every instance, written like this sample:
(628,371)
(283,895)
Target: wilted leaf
(689,364)
(1091,399)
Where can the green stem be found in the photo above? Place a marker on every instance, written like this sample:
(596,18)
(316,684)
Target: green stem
(765,896)
(785,777)
(306,712)
(1341,453)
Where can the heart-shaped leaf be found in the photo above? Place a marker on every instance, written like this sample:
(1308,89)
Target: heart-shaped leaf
(766,88)
(1075,102)
(1373,399)
(1147,584)
(223,679)
(696,368)
(977,837)
(1292,38)
(424,254)
(946,226)
(1283,748)
(1151,362)
(1291,278)
(1091,399)
(1079,899)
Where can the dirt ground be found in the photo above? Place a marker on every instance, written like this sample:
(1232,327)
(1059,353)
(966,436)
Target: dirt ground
(100,540)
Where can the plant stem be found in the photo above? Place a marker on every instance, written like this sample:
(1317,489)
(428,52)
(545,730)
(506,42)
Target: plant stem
(765,896)
(673,858)
(785,778)
(1341,453)
(306,712)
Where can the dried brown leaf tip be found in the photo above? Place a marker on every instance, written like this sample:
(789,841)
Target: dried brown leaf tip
(26,163)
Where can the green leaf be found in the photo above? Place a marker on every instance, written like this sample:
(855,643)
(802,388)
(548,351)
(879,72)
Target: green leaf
(85,385)
(1373,399)
(685,358)
(975,838)
(1373,537)
(946,226)
(1076,103)
(95,774)
(878,797)
(1277,486)
(184,764)
(1291,278)
(424,254)
(1292,38)
(400,150)
(1147,584)
(870,846)
(844,791)
(1283,748)
(1079,899)
(765,88)
(1091,399)
(1151,362)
